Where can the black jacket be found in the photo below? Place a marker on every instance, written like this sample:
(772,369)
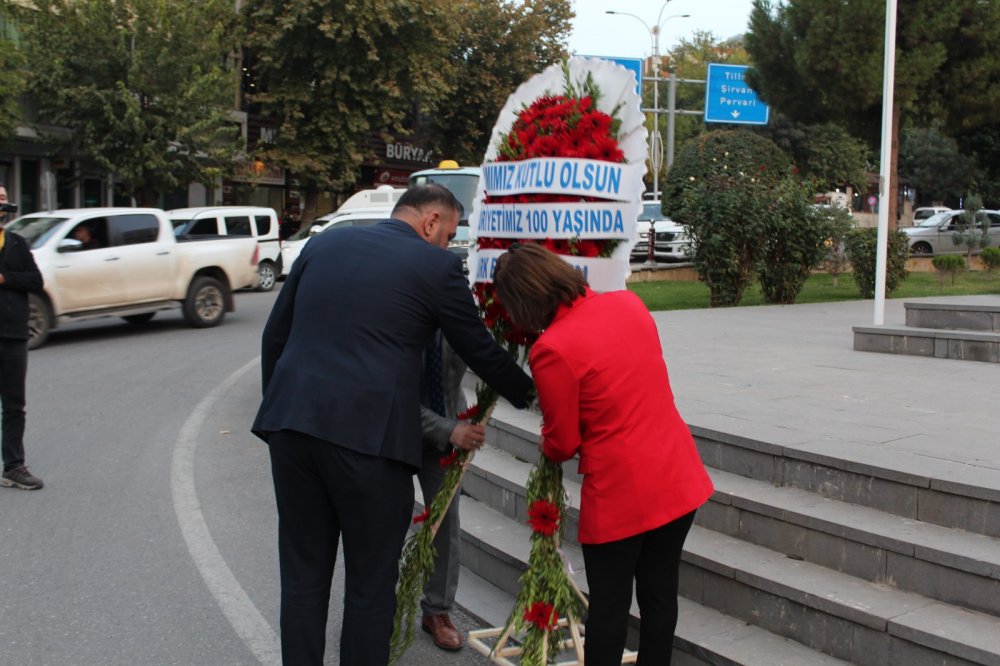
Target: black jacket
(341,352)
(20,276)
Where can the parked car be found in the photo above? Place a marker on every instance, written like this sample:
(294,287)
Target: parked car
(671,242)
(921,214)
(357,217)
(131,266)
(255,221)
(935,234)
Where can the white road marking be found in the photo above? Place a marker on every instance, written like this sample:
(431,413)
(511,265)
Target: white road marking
(241,612)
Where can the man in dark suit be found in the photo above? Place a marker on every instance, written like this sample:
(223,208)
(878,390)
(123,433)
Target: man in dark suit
(341,365)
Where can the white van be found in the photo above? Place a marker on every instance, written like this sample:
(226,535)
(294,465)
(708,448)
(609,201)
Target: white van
(256,221)
(383,196)
(357,217)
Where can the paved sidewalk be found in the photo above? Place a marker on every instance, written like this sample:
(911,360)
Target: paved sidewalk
(788,375)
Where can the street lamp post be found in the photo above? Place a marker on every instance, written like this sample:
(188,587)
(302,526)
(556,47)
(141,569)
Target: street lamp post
(655,143)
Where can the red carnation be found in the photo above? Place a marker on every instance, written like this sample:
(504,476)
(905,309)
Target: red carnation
(542,615)
(543,516)
(470,413)
(587,248)
(449,459)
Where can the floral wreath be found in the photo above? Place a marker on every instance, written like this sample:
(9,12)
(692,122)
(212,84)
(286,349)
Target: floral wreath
(572,124)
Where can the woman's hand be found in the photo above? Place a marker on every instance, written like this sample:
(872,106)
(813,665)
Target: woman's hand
(468,436)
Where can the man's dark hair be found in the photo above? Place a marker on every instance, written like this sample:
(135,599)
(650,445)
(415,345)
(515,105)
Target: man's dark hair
(431,194)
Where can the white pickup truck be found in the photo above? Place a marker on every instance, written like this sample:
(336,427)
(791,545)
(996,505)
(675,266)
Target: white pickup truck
(126,262)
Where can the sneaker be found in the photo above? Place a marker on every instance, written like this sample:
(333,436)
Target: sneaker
(20,477)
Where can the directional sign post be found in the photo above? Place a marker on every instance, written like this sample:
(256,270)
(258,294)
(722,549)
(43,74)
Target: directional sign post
(728,98)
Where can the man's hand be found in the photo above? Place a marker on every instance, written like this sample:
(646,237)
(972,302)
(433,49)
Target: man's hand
(468,436)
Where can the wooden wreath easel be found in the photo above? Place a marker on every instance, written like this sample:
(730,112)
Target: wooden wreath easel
(500,651)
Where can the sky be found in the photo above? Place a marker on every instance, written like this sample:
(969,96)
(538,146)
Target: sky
(600,34)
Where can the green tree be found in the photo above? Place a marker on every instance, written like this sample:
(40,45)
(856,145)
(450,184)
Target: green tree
(11,73)
(826,155)
(861,250)
(330,74)
(141,84)
(841,223)
(500,44)
(971,227)
(820,61)
(723,188)
(794,242)
(934,164)
(983,144)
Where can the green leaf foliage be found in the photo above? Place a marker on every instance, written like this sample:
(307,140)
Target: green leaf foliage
(971,227)
(840,222)
(862,250)
(935,165)
(991,259)
(820,61)
(12,73)
(948,265)
(729,188)
(141,84)
(330,74)
(794,243)
(825,154)
(499,45)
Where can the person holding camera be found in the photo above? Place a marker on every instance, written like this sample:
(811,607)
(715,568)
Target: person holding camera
(18,275)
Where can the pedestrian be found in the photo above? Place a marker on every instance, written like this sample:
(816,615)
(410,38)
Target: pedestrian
(605,396)
(341,369)
(442,402)
(19,275)
(290,222)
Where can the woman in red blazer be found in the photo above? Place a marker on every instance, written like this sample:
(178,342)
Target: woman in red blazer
(605,396)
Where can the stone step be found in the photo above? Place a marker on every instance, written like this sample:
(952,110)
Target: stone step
(864,623)
(917,487)
(930,342)
(957,316)
(945,564)
(495,552)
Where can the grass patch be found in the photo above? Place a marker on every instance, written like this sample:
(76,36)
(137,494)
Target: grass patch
(818,289)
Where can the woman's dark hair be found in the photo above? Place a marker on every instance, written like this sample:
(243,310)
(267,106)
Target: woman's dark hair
(532,282)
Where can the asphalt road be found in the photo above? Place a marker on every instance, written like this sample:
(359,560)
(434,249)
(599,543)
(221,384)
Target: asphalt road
(154,539)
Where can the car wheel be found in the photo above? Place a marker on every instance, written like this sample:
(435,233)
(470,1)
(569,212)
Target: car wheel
(137,319)
(205,304)
(267,276)
(921,248)
(39,321)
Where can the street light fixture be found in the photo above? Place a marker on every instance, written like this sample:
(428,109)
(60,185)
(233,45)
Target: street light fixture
(655,144)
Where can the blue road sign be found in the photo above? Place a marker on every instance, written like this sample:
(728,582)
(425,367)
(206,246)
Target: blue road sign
(728,98)
(634,65)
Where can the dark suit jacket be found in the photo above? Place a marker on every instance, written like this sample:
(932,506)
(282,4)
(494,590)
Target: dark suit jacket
(341,351)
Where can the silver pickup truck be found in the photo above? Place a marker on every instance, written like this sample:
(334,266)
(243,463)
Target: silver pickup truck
(126,262)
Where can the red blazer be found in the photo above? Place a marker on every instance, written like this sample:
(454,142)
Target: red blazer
(605,396)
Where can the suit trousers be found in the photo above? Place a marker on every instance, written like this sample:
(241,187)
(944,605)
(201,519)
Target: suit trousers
(653,559)
(13,372)
(439,592)
(325,493)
